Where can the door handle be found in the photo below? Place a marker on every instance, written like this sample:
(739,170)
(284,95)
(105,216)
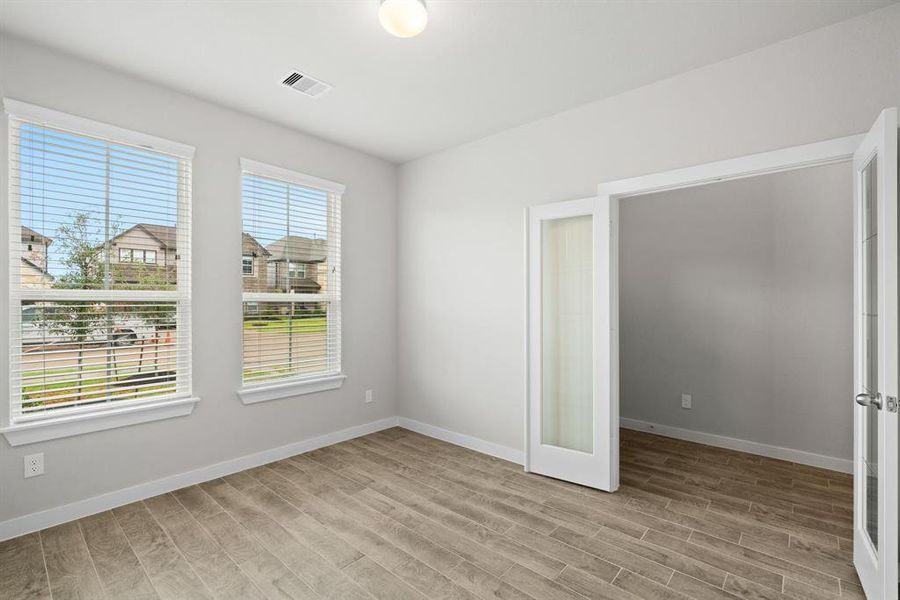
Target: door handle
(867,399)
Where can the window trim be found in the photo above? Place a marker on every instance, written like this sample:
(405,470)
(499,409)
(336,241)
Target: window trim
(79,423)
(285,388)
(295,386)
(257,168)
(122,413)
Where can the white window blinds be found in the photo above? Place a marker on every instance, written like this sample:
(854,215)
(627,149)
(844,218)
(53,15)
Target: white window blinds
(292,297)
(99,251)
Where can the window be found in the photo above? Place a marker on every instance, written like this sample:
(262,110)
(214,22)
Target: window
(95,335)
(137,256)
(247,265)
(297,271)
(291,323)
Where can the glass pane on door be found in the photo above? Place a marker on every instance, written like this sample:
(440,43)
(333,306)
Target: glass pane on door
(567,353)
(870,346)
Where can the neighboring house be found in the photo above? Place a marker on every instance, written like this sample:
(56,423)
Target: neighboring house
(34,258)
(297,264)
(142,252)
(254,264)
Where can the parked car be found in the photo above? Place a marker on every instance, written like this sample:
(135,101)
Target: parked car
(39,330)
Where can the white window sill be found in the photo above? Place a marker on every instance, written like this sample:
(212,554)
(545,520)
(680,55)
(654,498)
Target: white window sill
(77,424)
(263,393)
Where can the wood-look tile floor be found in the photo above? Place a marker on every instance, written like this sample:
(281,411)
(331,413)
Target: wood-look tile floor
(397,515)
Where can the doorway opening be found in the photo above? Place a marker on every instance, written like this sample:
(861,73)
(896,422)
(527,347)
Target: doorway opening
(736,314)
(574,288)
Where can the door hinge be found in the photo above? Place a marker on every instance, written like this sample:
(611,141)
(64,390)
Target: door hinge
(892,403)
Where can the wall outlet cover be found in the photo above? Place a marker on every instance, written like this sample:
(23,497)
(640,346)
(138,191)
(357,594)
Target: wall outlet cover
(34,465)
(368,396)
(686,401)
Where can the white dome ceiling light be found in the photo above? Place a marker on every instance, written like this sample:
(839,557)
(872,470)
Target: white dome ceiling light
(403,18)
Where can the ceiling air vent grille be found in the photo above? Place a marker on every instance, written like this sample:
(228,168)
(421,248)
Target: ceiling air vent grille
(305,84)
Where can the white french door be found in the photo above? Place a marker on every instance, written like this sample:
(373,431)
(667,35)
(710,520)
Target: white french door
(875,471)
(571,423)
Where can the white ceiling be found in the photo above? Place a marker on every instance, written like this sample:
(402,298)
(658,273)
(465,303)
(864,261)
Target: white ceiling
(480,66)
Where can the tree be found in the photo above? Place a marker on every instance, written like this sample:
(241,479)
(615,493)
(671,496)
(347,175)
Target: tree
(75,320)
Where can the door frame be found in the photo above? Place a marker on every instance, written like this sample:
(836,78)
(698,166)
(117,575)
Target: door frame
(830,151)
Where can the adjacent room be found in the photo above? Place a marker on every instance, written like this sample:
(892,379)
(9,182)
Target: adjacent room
(538,300)
(737,314)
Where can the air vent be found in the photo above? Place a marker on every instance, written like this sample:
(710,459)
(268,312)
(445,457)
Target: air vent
(305,84)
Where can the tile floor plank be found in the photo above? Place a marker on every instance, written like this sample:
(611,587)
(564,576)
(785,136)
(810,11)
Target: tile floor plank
(396,514)
(69,567)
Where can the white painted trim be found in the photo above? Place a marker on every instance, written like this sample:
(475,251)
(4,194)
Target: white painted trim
(466,441)
(53,428)
(720,441)
(265,170)
(61,120)
(786,159)
(263,393)
(76,510)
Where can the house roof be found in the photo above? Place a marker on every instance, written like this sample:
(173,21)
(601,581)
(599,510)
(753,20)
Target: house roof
(29,234)
(36,268)
(298,249)
(164,234)
(246,237)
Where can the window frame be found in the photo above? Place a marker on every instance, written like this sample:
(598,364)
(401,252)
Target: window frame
(294,268)
(252,272)
(251,393)
(89,418)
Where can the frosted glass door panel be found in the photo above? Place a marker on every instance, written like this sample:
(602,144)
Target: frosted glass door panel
(567,280)
(869,191)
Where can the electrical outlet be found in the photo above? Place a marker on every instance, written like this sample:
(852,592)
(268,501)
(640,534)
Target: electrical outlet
(34,465)
(685,401)
(368,396)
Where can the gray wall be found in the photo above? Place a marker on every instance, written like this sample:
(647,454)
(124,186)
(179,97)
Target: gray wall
(221,427)
(460,253)
(741,294)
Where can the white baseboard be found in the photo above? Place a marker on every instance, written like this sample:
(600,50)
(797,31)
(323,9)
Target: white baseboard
(466,441)
(83,508)
(720,441)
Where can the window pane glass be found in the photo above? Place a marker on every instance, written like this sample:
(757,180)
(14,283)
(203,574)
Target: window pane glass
(567,277)
(286,225)
(82,199)
(285,339)
(88,353)
(870,322)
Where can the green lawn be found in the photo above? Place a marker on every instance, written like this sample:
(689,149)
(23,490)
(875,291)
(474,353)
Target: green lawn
(298,325)
(37,392)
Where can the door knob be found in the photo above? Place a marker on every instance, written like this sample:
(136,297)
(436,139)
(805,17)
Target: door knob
(867,399)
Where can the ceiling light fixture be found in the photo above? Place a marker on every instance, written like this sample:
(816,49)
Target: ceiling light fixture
(403,18)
